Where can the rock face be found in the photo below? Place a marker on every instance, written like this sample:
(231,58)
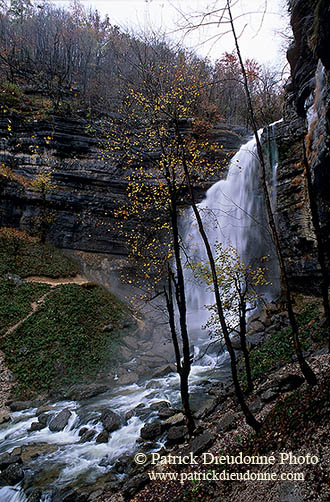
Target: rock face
(85,189)
(306,119)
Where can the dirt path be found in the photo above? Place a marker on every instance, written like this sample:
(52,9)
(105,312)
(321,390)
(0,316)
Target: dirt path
(77,279)
(6,379)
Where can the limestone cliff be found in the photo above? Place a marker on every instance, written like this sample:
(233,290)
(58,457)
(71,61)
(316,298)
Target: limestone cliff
(85,188)
(306,119)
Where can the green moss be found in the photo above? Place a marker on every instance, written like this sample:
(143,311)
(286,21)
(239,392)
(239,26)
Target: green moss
(25,256)
(63,341)
(15,301)
(279,348)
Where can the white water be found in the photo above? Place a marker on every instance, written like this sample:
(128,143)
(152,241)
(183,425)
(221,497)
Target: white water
(234,215)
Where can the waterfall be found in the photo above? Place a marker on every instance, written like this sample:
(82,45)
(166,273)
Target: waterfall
(233,214)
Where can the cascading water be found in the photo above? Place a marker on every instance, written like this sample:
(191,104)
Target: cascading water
(233,214)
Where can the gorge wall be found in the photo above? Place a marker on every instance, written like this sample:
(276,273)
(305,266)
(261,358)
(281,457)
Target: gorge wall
(306,120)
(85,189)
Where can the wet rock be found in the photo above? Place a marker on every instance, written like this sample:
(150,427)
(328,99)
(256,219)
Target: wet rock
(82,431)
(202,443)
(34,495)
(139,410)
(36,426)
(151,384)
(82,392)
(110,420)
(151,431)
(23,405)
(164,370)
(12,475)
(290,382)
(227,422)
(102,437)
(44,417)
(60,421)
(31,452)
(177,419)
(159,405)
(128,378)
(69,495)
(177,434)
(87,436)
(6,460)
(43,409)
(4,416)
(167,412)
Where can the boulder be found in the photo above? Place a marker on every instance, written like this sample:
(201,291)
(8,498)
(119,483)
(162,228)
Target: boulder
(103,437)
(202,443)
(23,405)
(177,419)
(6,460)
(134,485)
(164,370)
(177,434)
(159,405)
(269,395)
(60,421)
(256,405)
(82,392)
(110,420)
(12,475)
(44,417)
(4,416)
(36,426)
(167,412)
(151,431)
(227,422)
(128,378)
(87,436)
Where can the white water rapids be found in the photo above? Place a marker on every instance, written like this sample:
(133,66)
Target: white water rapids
(233,214)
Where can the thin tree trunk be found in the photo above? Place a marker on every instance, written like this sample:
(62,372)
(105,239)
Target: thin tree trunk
(181,302)
(305,368)
(242,335)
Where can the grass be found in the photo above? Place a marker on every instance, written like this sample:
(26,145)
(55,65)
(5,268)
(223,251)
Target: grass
(25,256)
(15,301)
(279,349)
(63,342)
